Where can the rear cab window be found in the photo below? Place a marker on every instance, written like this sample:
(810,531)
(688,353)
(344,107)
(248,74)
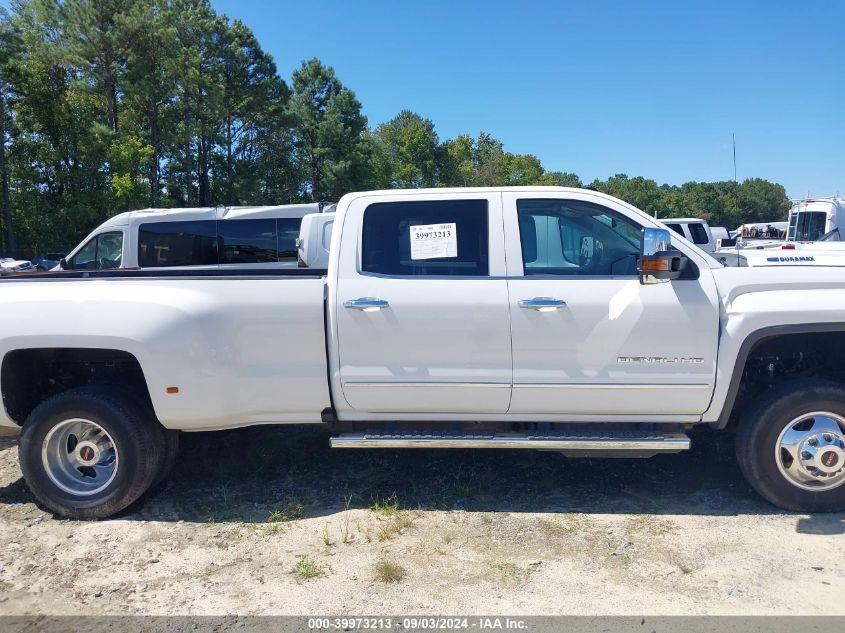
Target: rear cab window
(426,238)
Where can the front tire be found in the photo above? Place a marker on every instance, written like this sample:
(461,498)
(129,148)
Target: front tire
(791,446)
(88,453)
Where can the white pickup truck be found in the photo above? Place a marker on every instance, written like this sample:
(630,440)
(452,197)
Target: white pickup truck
(547,318)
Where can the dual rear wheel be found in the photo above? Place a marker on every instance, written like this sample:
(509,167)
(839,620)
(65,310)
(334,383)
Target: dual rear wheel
(91,452)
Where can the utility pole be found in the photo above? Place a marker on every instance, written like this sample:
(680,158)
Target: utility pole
(736,182)
(733,138)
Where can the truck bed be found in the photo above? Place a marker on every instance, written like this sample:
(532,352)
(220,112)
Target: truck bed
(218,348)
(165,273)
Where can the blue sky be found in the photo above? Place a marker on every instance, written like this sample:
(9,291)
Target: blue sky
(645,88)
(649,88)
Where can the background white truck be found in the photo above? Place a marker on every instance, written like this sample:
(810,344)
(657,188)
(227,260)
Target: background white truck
(811,237)
(693,230)
(548,318)
(779,257)
(812,219)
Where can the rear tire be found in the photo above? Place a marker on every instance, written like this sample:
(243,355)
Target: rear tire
(169,453)
(90,452)
(791,446)
(168,437)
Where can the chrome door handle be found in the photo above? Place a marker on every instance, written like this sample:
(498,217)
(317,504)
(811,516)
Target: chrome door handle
(542,304)
(367,304)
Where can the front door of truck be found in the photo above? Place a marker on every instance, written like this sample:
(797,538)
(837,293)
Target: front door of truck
(422,305)
(588,338)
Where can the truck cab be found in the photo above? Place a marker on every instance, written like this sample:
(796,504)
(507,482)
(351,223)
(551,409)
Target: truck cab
(811,220)
(548,319)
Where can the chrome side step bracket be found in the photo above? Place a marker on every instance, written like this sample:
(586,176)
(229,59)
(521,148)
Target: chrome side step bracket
(646,443)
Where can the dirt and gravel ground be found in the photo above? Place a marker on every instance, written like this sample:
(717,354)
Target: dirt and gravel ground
(271,521)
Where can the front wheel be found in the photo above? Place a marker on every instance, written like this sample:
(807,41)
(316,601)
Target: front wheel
(88,453)
(791,446)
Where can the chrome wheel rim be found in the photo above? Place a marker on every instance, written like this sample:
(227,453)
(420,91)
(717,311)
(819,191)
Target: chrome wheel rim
(79,457)
(810,451)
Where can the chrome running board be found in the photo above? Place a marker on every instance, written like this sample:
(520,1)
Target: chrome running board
(645,442)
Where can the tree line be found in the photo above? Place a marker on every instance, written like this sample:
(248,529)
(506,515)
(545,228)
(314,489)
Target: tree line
(113,105)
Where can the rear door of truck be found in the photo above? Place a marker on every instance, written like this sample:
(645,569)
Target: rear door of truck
(422,314)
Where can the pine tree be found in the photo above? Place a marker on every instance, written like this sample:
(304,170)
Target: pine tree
(328,132)
(151,83)
(253,108)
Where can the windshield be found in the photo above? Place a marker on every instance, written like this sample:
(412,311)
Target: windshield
(809,225)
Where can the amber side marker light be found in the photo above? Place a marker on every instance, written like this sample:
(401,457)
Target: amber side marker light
(173,390)
(656,264)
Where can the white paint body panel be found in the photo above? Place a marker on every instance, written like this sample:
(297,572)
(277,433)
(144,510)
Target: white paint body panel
(753,299)
(242,351)
(586,358)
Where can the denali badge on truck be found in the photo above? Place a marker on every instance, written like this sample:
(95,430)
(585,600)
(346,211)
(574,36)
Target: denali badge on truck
(660,360)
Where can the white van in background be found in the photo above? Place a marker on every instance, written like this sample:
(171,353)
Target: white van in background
(314,241)
(694,230)
(197,238)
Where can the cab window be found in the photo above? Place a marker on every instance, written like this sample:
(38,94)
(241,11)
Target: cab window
(103,252)
(287,230)
(676,227)
(572,237)
(426,237)
(184,243)
(699,234)
(810,226)
(247,241)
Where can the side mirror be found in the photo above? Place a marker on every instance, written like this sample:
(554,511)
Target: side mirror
(63,264)
(658,260)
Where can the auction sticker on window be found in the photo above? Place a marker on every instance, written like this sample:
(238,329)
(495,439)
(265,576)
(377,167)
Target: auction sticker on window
(429,241)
